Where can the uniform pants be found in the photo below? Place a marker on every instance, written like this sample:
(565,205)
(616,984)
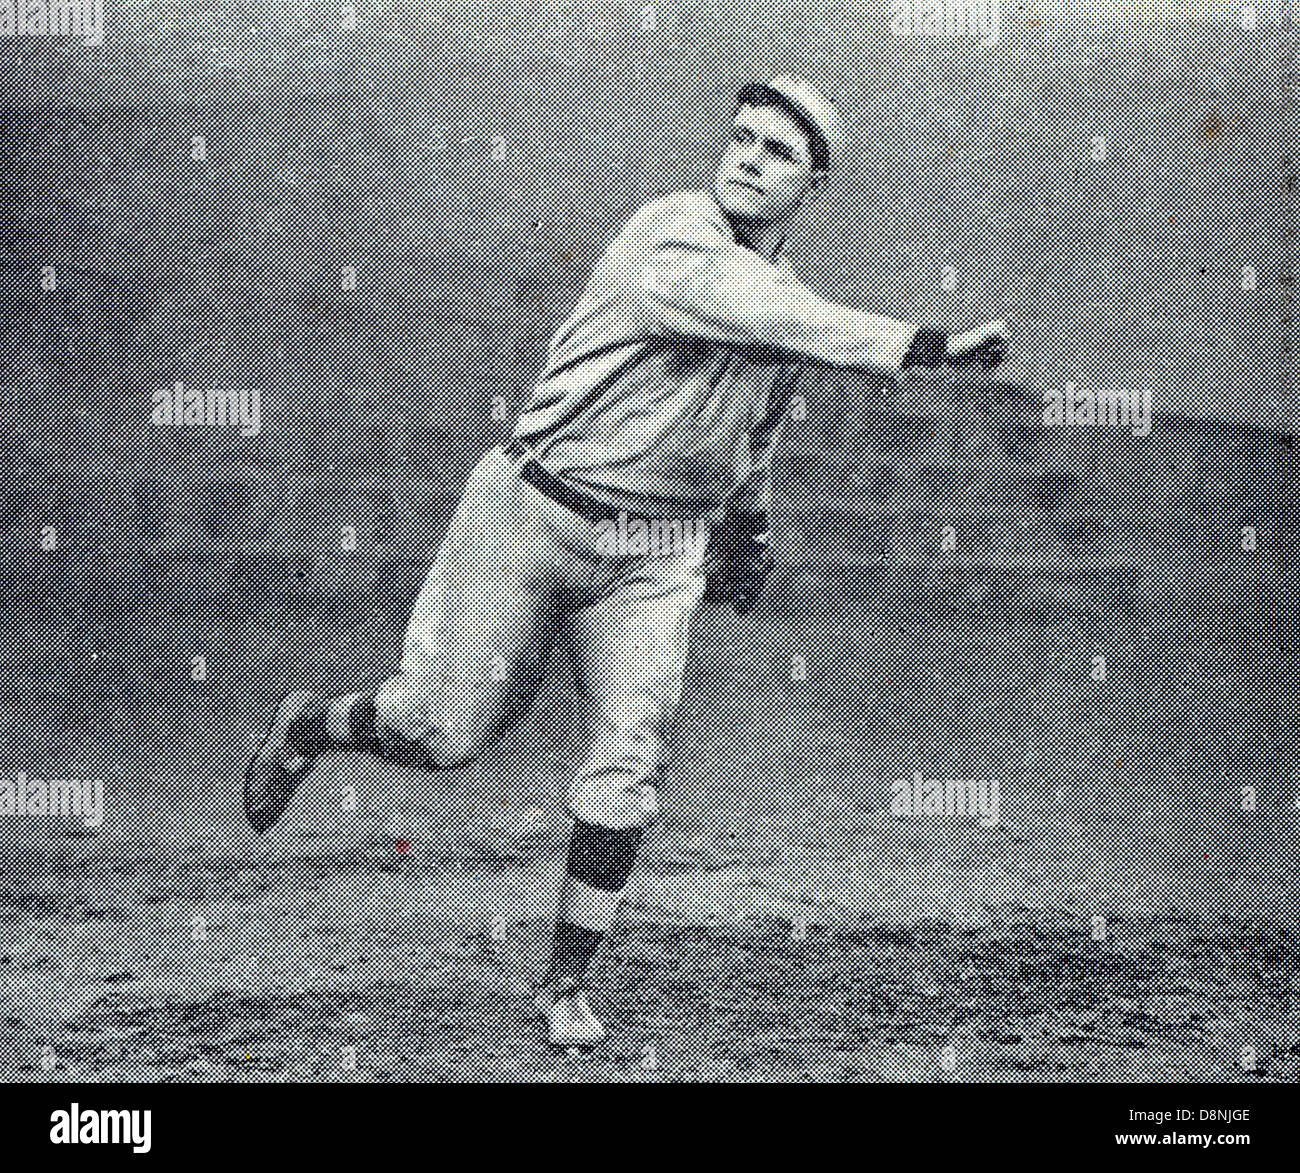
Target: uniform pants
(516,573)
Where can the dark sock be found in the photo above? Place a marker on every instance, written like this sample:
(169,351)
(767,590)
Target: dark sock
(571,953)
(929,349)
(602,858)
(363,727)
(599,858)
(310,735)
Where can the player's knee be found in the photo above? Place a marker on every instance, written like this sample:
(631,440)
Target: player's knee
(451,751)
(409,727)
(625,806)
(437,747)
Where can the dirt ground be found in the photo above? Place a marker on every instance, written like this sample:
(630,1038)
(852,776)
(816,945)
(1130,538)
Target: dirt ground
(287,981)
(783,924)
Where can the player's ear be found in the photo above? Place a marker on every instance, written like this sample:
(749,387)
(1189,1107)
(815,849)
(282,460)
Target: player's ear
(817,183)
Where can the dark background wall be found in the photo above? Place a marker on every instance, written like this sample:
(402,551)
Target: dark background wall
(350,149)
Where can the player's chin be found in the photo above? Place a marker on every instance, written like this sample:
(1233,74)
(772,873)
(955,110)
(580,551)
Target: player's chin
(738,199)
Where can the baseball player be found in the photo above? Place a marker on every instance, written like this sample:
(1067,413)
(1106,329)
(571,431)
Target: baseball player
(655,419)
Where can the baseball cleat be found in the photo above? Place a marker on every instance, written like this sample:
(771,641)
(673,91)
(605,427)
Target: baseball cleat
(568,1018)
(277,769)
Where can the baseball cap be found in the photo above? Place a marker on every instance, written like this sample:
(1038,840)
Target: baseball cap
(811,109)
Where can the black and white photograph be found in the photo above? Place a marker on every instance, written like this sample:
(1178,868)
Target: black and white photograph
(648,541)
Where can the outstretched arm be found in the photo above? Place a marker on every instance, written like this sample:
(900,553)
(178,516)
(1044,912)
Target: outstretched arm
(695,280)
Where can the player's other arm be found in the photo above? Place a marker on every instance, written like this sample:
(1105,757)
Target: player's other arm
(694,280)
(754,494)
(741,550)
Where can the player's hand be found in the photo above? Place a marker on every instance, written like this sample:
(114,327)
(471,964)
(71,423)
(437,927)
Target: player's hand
(986,346)
(738,561)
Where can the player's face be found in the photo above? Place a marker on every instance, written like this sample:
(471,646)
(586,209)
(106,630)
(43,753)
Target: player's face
(768,153)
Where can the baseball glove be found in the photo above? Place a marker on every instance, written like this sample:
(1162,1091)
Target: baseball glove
(738,561)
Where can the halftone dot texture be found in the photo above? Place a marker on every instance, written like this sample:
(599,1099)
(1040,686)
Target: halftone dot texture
(203,197)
